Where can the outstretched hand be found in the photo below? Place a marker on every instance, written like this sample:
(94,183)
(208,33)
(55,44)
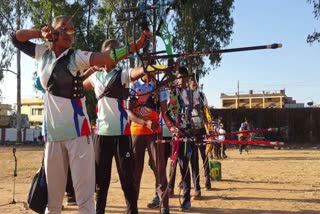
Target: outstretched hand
(48,33)
(140,42)
(176,132)
(153,126)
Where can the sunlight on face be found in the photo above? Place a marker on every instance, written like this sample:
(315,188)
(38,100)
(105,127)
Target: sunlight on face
(65,31)
(193,84)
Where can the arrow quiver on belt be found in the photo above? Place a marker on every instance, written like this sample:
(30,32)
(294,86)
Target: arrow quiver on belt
(208,119)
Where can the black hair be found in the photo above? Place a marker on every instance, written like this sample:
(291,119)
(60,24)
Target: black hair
(195,77)
(183,70)
(62,17)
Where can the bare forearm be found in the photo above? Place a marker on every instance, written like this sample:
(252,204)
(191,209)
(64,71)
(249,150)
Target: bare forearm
(134,118)
(101,59)
(112,57)
(25,34)
(136,73)
(168,121)
(133,47)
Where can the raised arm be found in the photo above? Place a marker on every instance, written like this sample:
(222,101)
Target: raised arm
(168,121)
(111,57)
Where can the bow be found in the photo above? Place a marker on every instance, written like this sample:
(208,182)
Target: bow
(141,18)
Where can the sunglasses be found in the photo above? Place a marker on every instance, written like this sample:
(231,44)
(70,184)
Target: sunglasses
(63,32)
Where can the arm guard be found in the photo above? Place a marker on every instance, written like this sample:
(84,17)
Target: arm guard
(118,53)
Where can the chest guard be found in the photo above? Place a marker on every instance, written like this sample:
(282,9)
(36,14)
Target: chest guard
(62,83)
(115,88)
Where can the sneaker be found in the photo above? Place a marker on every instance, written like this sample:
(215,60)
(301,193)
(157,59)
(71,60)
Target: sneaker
(170,193)
(71,201)
(185,206)
(208,185)
(154,203)
(197,195)
(165,211)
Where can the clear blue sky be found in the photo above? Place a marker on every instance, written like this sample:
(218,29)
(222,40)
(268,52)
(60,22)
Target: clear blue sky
(294,68)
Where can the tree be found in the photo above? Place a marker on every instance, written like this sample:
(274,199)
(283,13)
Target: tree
(5,25)
(8,15)
(14,13)
(315,36)
(202,25)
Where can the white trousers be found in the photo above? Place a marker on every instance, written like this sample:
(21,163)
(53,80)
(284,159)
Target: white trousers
(79,154)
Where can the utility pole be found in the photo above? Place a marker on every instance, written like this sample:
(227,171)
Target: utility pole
(18,23)
(238,96)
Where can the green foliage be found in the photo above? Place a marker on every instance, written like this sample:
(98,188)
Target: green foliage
(202,25)
(10,11)
(7,24)
(315,36)
(7,17)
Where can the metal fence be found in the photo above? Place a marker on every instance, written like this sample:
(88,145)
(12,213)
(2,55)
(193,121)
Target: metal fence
(299,125)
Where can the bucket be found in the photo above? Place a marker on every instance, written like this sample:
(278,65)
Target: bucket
(215,170)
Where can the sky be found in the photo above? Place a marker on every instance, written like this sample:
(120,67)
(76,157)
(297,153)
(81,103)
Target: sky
(295,67)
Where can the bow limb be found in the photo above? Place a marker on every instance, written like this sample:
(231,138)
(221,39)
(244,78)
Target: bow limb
(162,29)
(166,38)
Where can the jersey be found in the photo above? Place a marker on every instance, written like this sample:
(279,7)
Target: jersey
(243,127)
(112,117)
(65,118)
(147,107)
(181,107)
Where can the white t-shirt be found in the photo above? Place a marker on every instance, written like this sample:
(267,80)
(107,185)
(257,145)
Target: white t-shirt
(112,117)
(65,119)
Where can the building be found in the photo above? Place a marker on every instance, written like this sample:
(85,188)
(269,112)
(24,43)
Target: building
(265,99)
(33,107)
(4,115)
(8,117)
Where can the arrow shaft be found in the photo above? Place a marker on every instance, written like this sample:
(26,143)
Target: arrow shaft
(205,53)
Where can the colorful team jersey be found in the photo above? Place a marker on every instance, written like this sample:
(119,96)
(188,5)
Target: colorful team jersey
(64,118)
(165,130)
(244,127)
(112,117)
(181,107)
(147,107)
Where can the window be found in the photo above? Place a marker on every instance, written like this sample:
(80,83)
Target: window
(36,111)
(33,111)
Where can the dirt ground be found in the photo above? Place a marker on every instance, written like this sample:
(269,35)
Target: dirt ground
(263,181)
